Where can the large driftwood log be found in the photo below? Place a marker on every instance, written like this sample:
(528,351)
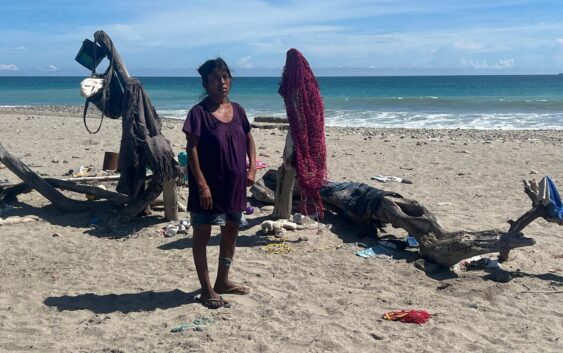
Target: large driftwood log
(367,206)
(43,187)
(131,206)
(372,208)
(10,193)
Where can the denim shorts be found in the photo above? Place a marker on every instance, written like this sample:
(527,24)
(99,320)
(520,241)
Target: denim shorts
(216,219)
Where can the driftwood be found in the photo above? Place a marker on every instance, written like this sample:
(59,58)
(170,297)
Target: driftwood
(539,210)
(371,209)
(34,181)
(121,207)
(9,194)
(285,182)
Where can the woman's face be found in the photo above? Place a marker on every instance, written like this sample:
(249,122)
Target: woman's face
(218,84)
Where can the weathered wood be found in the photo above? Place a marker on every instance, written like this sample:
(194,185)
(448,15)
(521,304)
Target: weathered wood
(106,43)
(270,119)
(43,187)
(261,192)
(9,194)
(95,178)
(539,210)
(140,202)
(436,244)
(285,182)
(170,198)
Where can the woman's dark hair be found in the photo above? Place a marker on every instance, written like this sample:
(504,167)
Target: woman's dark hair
(211,65)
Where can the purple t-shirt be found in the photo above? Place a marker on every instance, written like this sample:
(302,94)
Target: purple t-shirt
(222,158)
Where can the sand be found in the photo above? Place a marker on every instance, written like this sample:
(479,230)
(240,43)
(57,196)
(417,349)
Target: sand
(65,287)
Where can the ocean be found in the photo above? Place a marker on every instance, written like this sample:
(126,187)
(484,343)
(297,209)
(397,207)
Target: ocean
(437,102)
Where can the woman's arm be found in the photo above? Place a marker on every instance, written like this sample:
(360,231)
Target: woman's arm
(193,160)
(251,152)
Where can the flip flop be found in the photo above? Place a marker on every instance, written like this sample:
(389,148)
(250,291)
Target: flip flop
(212,303)
(238,290)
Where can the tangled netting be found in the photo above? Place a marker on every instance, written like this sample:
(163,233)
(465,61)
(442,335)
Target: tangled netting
(305,113)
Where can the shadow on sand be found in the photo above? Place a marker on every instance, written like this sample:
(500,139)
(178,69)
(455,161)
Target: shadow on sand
(125,303)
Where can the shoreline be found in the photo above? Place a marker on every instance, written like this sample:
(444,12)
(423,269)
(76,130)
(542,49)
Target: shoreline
(548,135)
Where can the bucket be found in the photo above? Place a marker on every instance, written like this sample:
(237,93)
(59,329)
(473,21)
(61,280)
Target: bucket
(183,162)
(183,159)
(110,161)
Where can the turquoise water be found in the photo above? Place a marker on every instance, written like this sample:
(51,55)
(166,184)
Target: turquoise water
(481,102)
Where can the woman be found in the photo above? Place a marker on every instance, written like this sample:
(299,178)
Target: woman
(219,140)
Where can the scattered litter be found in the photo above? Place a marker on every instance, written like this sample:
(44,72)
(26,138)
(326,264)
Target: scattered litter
(180,228)
(171,230)
(278,228)
(258,164)
(186,224)
(383,250)
(93,197)
(243,223)
(408,316)
(411,242)
(249,209)
(476,263)
(303,220)
(81,172)
(196,325)
(388,178)
(278,248)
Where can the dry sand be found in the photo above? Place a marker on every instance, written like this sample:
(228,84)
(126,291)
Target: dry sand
(65,287)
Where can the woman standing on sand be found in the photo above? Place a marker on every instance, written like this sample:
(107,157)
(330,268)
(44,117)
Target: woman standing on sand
(219,139)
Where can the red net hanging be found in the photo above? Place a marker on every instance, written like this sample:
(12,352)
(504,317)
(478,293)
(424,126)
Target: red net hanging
(305,112)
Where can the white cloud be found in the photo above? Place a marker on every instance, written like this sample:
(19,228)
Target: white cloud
(8,67)
(245,63)
(50,68)
(559,41)
(484,64)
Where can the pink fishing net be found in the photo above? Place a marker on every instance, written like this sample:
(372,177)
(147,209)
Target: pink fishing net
(305,112)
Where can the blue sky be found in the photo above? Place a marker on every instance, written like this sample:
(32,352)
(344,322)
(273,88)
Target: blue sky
(338,37)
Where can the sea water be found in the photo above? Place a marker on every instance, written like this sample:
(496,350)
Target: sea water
(479,102)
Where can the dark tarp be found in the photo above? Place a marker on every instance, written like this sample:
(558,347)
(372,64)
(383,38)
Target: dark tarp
(142,144)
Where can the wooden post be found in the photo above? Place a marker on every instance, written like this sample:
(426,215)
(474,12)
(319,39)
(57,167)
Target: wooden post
(170,200)
(285,182)
(107,45)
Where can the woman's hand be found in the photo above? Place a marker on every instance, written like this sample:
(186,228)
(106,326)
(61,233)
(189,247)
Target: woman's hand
(251,176)
(205,200)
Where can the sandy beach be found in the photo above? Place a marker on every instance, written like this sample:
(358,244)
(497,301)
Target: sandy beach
(65,287)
